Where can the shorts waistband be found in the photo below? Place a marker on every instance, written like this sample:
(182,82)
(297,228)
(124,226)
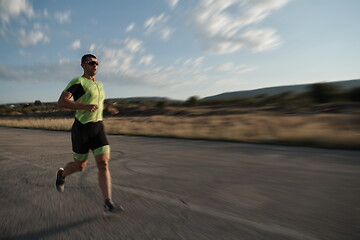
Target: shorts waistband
(88,123)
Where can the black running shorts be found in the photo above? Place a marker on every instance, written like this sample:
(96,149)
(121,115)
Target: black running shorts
(87,136)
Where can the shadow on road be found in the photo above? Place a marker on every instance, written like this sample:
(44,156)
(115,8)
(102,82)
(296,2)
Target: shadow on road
(52,231)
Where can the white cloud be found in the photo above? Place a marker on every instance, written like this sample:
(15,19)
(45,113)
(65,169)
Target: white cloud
(153,21)
(23,53)
(117,41)
(230,67)
(172,3)
(130,27)
(125,65)
(118,66)
(40,26)
(40,73)
(45,13)
(261,39)
(165,33)
(64,60)
(146,60)
(226,67)
(14,8)
(31,38)
(75,45)
(116,60)
(120,60)
(194,62)
(133,45)
(158,25)
(92,47)
(2,33)
(63,17)
(226,26)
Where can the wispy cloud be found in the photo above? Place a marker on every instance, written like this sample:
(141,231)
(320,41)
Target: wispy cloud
(158,25)
(130,27)
(261,39)
(119,66)
(32,37)
(116,60)
(233,68)
(23,53)
(146,60)
(14,8)
(40,26)
(124,64)
(45,13)
(92,47)
(63,17)
(40,72)
(133,45)
(75,45)
(64,60)
(127,63)
(229,25)
(194,62)
(172,3)
(21,24)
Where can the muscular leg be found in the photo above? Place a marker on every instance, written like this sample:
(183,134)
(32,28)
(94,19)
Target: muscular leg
(102,162)
(75,166)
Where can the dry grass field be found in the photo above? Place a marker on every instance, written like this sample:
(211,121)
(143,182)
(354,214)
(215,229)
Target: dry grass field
(315,130)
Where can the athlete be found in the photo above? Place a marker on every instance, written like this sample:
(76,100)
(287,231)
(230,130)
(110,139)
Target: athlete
(87,131)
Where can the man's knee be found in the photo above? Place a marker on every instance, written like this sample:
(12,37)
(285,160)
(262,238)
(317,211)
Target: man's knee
(102,161)
(80,166)
(102,164)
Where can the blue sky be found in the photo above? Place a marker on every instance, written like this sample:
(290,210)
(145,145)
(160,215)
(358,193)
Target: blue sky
(175,48)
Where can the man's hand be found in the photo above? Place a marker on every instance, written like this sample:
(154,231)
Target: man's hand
(65,102)
(112,110)
(92,108)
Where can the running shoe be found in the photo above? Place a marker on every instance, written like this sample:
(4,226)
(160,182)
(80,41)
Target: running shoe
(111,208)
(60,180)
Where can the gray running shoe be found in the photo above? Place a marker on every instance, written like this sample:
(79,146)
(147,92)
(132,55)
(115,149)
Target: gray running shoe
(60,180)
(110,208)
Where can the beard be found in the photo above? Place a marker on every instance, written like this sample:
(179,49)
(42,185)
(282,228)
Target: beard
(92,72)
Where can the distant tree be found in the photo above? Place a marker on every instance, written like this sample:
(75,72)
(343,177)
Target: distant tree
(192,101)
(37,103)
(263,95)
(322,92)
(161,104)
(285,94)
(354,94)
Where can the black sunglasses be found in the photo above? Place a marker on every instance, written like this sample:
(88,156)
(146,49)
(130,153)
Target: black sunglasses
(92,62)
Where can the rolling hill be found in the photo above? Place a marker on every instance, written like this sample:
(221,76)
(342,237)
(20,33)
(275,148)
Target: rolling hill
(347,84)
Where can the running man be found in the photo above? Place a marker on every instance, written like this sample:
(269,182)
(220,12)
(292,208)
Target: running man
(88,130)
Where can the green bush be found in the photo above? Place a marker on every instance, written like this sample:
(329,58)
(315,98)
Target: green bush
(192,101)
(161,104)
(37,103)
(323,92)
(354,94)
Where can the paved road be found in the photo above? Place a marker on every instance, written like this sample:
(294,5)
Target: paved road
(179,189)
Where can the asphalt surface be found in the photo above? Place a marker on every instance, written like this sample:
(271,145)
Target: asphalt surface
(178,189)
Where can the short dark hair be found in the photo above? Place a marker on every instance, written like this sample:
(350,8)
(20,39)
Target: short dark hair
(86,56)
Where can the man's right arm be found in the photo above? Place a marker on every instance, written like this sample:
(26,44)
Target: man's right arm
(65,102)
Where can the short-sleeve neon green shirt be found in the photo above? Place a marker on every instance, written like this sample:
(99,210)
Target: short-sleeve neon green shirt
(86,91)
